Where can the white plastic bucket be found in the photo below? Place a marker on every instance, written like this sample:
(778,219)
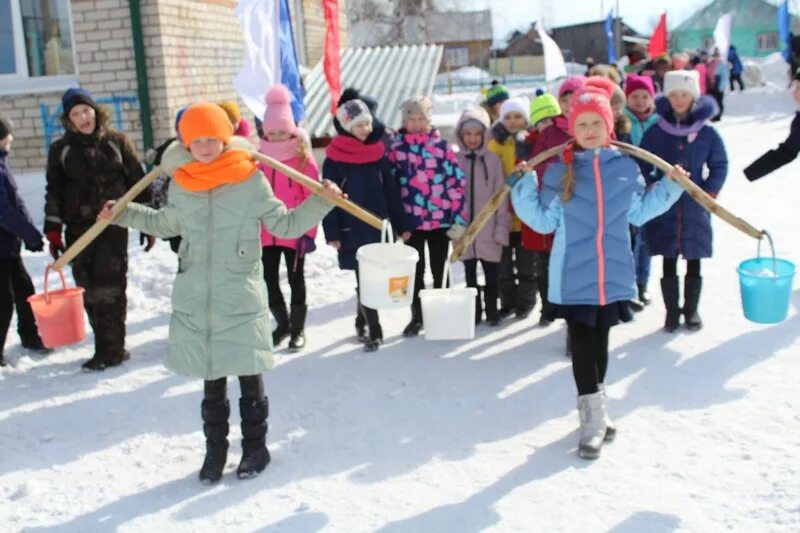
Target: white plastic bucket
(386,272)
(448,314)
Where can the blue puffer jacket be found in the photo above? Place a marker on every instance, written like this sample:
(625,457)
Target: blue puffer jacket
(15,222)
(686,228)
(591,262)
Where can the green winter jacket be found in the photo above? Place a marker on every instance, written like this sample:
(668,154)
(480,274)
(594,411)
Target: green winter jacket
(220,324)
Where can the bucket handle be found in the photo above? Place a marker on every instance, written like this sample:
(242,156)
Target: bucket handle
(46,289)
(386,231)
(772,247)
(446,274)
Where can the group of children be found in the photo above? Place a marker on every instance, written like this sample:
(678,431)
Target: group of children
(565,236)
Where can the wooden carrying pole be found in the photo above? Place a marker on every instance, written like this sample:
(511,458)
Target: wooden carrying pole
(98,227)
(317,187)
(698,194)
(495,201)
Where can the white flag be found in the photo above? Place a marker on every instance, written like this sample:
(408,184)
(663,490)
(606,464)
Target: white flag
(259,21)
(722,34)
(554,66)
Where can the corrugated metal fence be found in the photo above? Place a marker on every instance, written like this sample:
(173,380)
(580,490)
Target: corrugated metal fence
(388,74)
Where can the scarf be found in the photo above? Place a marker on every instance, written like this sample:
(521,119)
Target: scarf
(643,116)
(346,149)
(280,150)
(681,130)
(232,166)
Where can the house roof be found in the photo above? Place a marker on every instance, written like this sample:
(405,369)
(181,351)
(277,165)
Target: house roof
(452,26)
(389,74)
(752,13)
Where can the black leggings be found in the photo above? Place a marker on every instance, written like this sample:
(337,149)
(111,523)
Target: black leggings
(271,259)
(15,287)
(589,355)
(252,388)
(489,274)
(671,267)
(438,245)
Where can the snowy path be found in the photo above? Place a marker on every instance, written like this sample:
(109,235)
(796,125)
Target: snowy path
(425,436)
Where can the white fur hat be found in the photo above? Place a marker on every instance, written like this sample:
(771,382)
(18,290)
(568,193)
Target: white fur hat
(518,104)
(682,80)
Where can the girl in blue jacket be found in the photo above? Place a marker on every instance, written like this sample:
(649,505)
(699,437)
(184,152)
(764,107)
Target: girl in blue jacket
(588,198)
(683,136)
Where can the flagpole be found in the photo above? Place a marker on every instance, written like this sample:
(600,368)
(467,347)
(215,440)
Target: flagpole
(618,33)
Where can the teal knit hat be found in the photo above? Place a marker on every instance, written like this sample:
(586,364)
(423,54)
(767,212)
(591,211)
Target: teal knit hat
(496,94)
(543,107)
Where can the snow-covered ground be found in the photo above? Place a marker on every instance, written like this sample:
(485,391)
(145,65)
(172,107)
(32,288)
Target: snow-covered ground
(435,436)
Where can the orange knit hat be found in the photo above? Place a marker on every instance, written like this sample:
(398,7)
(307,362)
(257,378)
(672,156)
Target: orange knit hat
(205,120)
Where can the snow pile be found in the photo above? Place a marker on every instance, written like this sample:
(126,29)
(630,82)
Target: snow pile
(435,436)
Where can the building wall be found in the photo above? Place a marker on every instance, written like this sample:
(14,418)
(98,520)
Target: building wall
(314,30)
(193,50)
(102,37)
(744,38)
(478,53)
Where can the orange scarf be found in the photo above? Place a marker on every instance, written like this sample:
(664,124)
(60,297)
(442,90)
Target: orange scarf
(233,166)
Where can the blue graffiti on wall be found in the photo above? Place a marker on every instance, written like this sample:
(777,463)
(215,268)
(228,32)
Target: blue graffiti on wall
(52,122)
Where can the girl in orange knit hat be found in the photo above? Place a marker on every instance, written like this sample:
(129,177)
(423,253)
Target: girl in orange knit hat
(220,327)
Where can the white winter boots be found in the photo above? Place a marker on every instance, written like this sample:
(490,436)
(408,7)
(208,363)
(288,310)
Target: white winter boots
(596,426)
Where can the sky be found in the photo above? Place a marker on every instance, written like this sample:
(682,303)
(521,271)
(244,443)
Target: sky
(641,15)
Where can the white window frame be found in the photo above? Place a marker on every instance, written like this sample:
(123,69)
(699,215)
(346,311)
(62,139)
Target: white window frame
(763,37)
(458,51)
(21,82)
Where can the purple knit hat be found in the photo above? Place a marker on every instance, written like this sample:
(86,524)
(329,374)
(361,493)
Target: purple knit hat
(635,83)
(571,84)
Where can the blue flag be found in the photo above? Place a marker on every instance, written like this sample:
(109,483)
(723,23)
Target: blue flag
(609,27)
(290,73)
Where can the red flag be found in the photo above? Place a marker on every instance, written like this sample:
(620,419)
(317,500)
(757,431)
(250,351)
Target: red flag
(333,71)
(658,41)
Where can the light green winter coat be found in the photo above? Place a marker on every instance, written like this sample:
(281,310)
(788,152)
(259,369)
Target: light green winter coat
(220,324)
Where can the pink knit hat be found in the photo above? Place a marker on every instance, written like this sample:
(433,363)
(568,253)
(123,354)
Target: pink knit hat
(635,83)
(571,84)
(593,97)
(278,115)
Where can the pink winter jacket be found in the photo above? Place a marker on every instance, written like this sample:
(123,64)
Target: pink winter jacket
(290,193)
(484,176)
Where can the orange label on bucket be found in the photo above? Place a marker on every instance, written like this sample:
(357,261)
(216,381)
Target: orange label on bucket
(398,288)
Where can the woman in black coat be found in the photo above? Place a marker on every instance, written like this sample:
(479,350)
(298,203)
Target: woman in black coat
(786,152)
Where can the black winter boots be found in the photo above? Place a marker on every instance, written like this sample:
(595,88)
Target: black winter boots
(297,324)
(415,326)
(375,338)
(281,330)
(255,456)
(691,298)
(215,427)
(670,291)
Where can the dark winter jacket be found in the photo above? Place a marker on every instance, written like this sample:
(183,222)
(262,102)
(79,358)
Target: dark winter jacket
(686,228)
(83,172)
(370,185)
(736,63)
(785,153)
(431,181)
(15,222)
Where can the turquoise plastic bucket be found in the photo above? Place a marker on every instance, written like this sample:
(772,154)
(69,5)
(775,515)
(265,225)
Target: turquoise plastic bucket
(766,287)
